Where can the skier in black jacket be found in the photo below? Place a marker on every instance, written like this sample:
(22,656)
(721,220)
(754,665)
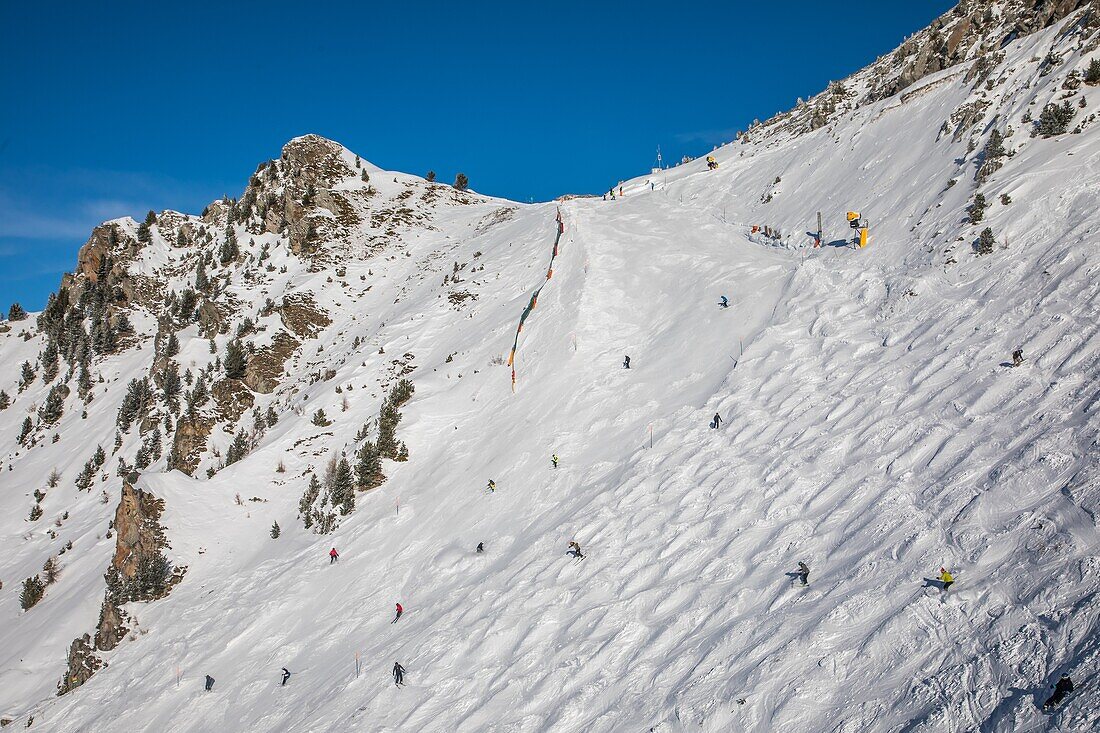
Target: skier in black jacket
(1063,688)
(398,674)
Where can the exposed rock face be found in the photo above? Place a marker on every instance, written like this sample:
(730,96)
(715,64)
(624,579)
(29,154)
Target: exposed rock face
(302,316)
(189,442)
(265,365)
(139,536)
(298,195)
(139,571)
(83,663)
(972,28)
(233,398)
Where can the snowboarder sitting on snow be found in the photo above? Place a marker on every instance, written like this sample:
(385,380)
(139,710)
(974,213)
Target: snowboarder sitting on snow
(804,573)
(398,674)
(626,362)
(480,547)
(1017,357)
(946,578)
(554,460)
(209,683)
(399,612)
(725,302)
(575,550)
(333,556)
(286,675)
(1063,688)
(716,421)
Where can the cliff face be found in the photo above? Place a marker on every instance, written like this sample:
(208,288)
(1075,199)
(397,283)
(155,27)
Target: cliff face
(139,572)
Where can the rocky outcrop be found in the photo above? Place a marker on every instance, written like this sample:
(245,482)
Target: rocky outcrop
(189,442)
(139,571)
(302,316)
(83,663)
(233,398)
(265,365)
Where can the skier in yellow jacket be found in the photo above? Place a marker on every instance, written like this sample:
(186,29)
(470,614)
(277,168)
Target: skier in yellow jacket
(946,578)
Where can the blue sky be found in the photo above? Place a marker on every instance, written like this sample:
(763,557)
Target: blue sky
(110,109)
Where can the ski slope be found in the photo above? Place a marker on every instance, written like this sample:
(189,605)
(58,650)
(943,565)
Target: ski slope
(872,429)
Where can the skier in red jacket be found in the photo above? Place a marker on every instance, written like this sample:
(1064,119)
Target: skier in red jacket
(333,556)
(399,612)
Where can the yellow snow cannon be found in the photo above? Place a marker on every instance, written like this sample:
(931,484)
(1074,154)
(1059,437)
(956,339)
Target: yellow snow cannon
(855,221)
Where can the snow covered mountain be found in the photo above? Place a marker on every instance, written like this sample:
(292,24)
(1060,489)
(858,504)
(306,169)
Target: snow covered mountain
(172,448)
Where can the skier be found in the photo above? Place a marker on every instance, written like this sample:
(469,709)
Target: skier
(554,460)
(626,362)
(716,421)
(725,302)
(480,547)
(804,573)
(492,485)
(286,675)
(575,549)
(1017,357)
(1063,688)
(209,683)
(620,191)
(398,674)
(399,612)
(946,578)
(333,556)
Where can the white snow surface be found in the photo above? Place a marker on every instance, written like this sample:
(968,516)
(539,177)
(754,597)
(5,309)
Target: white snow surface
(872,430)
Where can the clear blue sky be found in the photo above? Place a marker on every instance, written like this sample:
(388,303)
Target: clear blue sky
(115,108)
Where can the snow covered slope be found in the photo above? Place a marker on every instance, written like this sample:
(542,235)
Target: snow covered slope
(873,428)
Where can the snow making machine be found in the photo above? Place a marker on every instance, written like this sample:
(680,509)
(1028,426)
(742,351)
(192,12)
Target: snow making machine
(857,222)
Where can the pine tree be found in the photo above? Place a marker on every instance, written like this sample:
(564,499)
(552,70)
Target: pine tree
(430,177)
(275,531)
(238,449)
(401,393)
(48,360)
(172,347)
(16,312)
(320,419)
(388,417)
(1092,76)
(32,593)
(976,210)
(87,473)
(272,417)
(171,383)
(229,250)
(202,282)
(99,457)
(26,376)
(83,381)
(986,242)
(54,407)
(5,401)
(1055,119)
(365,176)
(25,431)
(305,505)
(343,488)
(461,182)
(235,360)
(368,470)
(50,570)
